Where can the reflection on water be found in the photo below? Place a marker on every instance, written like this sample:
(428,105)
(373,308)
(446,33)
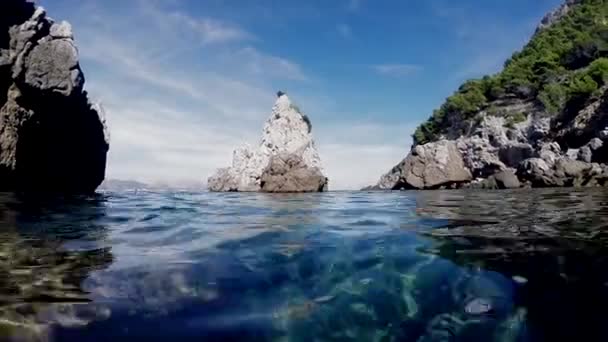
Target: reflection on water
(409,266)
(40,280)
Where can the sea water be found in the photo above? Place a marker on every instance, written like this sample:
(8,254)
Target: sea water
(526,265)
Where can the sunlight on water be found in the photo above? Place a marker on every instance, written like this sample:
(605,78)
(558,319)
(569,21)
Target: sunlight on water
(409,266)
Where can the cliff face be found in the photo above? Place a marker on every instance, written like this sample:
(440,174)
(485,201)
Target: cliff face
(51,137)
(541,119)
(286,159)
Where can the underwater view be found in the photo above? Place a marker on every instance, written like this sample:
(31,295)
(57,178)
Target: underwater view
(343,266)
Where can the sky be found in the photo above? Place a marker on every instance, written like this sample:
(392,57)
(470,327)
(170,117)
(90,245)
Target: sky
(185,82)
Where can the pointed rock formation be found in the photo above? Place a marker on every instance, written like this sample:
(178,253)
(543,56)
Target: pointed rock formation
(51,137)
(286,159)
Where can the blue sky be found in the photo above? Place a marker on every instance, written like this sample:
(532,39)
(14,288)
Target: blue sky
(184,82)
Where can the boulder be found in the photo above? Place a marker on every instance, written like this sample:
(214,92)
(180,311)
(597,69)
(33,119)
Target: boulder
(52,138)
(572,153)
(223,180)
(565,172)
(537,172)
(289,173)
(513,154)
(506,180)
(595,144)
(287,135)
(480,156)
(593,151)
(550,152)
(568,168)
(585,154)
(428,166)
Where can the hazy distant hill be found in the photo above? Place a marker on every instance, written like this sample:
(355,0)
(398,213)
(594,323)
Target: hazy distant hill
(122,185)
(126,185)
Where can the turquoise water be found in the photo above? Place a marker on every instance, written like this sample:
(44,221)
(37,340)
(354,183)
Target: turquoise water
(343,266)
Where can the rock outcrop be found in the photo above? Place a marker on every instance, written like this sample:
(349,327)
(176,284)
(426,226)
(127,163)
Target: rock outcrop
(557,14)
(51,137)
(286,159)
(289,173)
(531,125)
(492,151)
(429,166)
(565,172)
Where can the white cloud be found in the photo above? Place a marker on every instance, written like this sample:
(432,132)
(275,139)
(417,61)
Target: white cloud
(156,144)
(353,166)
(180,95)
(356,154)
(396,70)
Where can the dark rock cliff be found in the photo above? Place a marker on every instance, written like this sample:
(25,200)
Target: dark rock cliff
(52,139)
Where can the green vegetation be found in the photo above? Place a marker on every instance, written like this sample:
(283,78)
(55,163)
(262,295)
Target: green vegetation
(514,119)
(561,68)
(307,121)
(553,98)
(304,116)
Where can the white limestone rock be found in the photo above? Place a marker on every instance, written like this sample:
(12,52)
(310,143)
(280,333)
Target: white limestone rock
(62,30)
(287,131)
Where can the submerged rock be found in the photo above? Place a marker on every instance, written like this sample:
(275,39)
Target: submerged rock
(286,159)
(478,306)
(51,137)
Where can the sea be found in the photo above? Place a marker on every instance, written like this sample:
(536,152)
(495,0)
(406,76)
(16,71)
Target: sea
(462,265)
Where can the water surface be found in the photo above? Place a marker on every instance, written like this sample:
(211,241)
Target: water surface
(344,266)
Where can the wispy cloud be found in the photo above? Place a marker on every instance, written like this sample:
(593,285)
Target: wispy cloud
(261,64)
(345,30)
(484,50)
(396,70)
(354,5)
(204,29)
(181,92)
(216,92)
(211,30)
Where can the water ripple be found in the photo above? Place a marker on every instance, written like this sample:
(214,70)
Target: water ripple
(398,266)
